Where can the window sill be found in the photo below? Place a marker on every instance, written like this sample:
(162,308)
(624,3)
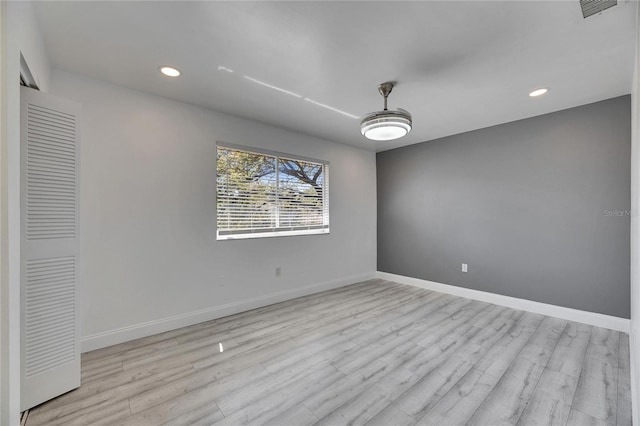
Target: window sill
(252,235)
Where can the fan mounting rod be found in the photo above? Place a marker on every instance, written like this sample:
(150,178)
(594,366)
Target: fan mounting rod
(385,89)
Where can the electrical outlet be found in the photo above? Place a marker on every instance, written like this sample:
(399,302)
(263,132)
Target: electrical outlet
(464,267)
(278,271)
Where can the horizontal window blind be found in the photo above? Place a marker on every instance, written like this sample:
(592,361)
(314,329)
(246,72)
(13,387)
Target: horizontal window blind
(261,194)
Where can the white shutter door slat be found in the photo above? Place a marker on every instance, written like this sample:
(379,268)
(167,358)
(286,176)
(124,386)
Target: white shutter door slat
(49,200)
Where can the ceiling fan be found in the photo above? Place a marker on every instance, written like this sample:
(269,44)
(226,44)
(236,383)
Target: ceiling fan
(387,124)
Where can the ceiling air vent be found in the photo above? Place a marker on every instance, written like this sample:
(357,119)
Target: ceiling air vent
(591,7)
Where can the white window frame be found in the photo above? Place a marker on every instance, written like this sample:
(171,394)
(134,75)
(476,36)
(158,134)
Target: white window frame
(278,231)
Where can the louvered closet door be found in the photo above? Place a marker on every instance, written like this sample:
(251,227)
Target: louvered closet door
(49,201)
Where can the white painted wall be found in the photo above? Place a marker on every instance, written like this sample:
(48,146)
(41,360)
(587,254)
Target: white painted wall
(26,38)
(148,217)
(634,335)
(20,35)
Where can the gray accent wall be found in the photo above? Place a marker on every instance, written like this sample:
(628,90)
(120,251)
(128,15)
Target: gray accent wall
(539,208)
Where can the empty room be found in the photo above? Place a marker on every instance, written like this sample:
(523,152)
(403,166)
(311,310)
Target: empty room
(319,212)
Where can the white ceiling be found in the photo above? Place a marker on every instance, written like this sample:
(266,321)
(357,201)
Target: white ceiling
(459,66)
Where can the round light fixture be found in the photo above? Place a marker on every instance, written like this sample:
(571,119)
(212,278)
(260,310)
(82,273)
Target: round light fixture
(386,125)
(538,92)
(169,71)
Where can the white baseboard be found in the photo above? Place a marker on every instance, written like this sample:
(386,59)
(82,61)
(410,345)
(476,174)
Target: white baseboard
(633,355)
(137,331)
(585,317)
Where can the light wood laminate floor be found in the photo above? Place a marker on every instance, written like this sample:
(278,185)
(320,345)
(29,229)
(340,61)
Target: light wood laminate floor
(375,353)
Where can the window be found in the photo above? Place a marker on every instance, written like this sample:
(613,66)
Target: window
(266,194)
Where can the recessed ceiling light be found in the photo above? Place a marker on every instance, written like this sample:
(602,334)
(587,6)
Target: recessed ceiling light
(170,71)
(538,92)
